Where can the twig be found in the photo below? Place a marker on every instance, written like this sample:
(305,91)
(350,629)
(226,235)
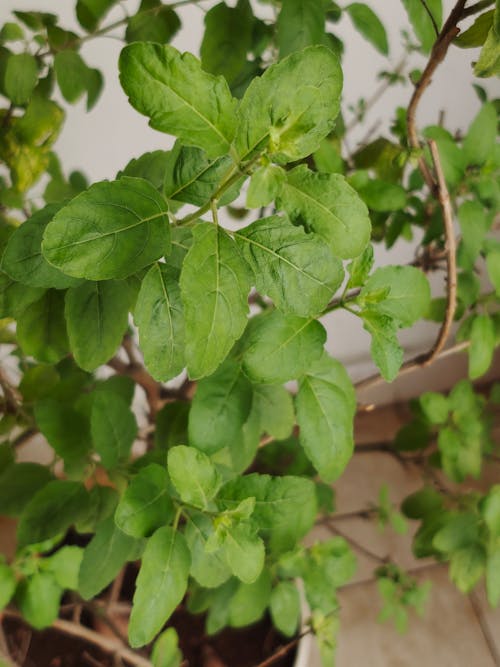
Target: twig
(280,653)
(411,365)
(438,53)
(431,16)
(109,645)
(450,247)
(140,375)
(4,650)
(490,641)
(12,397)
(474,9)
(356,545)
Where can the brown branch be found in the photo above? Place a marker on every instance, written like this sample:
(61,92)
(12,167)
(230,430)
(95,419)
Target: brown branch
(438,53)
(483,624)
(140,375)
(112,646)
(436,351)
(12,397)
(450,247)
(411,365)
(474,9)
(284,650)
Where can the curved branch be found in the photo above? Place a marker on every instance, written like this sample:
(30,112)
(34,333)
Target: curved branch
(438,53)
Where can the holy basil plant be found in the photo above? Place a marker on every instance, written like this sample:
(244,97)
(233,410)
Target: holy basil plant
(165,329)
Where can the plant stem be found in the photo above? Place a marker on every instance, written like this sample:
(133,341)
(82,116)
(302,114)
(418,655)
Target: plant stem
(113,646)
(438,53)
(474,9)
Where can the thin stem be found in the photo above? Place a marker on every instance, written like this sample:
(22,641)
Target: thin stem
(483,624)
(450,247)
(431,16)
(113,646)
(382,560)
(479,6)
(438,53)
(411,365)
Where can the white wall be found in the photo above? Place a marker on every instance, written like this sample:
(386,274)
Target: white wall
(102,141)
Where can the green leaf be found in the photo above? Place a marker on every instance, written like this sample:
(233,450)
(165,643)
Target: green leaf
(297,270)
(160,586)
(300,24)
(113,427)
(467,567)
(385,348)
(451,156)
(291,107)
(159,316)
(460,531)
(409,293)
(265,185)
(51,511)
(171,425)
(36,20)
(422,503)
(482,345)
(325,410)
(20,78)
(23,260)
(285,608)
(90,12)
(285,507)
(488,63)
(329,206)
(209,568)
(11,32)
(18,483)
(490,509)
(71,72)
(278,347)
(65,566)
(368,24)
(110,231)
(14,297)
(360,267)
(146,504)
(38,599)
(477,34)
(178,96)
(104,556)
(41,328)
(474,225)
(479,142)
(166,650)
(8,585)
(66,430)
(101,505)
(492,578)
(227,39)
(97,318)
(150,166)
(193,178)
(152,26)
(459,456)
(250,601)
(435,407)
(215,282)
(193,475)
(493,266)
(381,196)
(421,21)
(219,408)
(274,407)
(244,551)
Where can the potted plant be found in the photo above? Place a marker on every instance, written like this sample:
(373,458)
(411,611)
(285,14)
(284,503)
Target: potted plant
(151,342)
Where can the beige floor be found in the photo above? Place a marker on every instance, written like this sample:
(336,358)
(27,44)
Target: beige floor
(456,631)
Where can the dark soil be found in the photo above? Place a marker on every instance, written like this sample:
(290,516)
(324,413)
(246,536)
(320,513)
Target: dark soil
(230,648)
